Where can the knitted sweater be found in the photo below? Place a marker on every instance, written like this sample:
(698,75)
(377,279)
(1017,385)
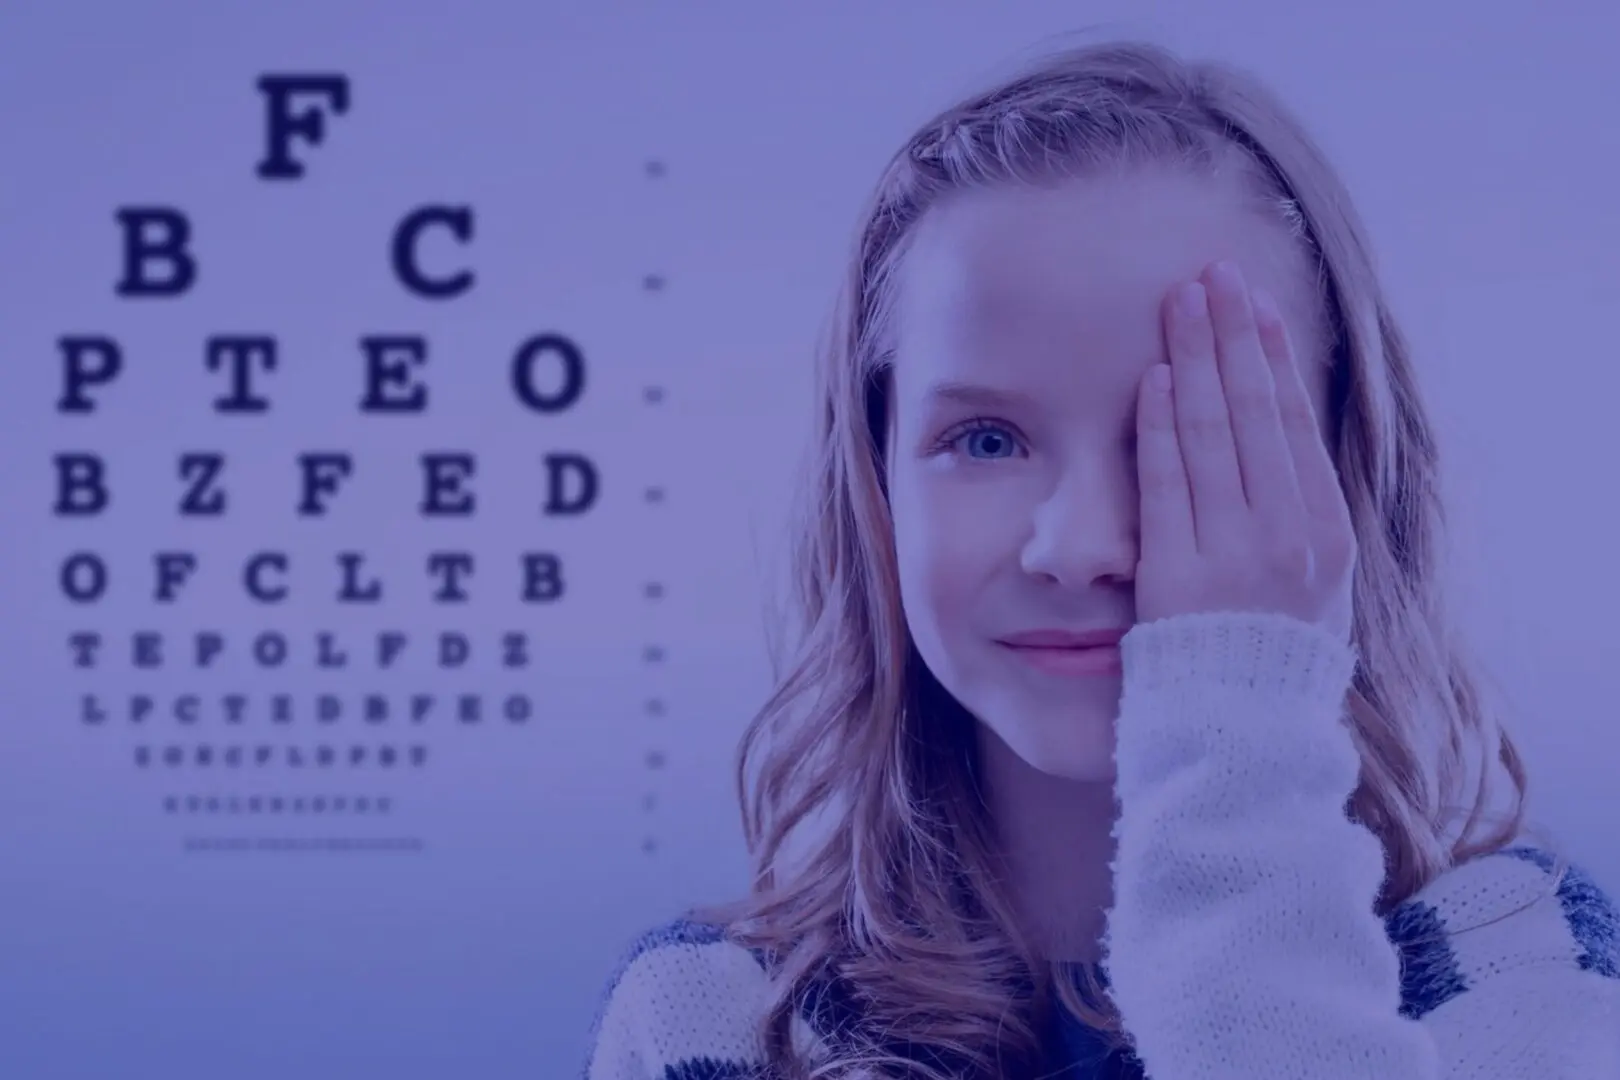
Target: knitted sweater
(1242,941)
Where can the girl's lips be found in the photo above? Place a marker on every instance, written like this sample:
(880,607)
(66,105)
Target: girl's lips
(1069,660)
(1066,639)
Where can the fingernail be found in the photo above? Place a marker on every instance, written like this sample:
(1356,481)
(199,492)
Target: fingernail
(1193,301)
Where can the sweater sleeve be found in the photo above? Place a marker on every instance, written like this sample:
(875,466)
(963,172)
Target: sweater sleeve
(683,1002)
(1550,1021)
(1513,962)
(620,1047)
(1243,941)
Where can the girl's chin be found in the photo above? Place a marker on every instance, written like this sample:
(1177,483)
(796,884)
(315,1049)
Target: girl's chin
(1076,745)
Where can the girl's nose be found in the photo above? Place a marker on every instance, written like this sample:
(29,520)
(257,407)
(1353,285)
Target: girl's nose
(1084,534)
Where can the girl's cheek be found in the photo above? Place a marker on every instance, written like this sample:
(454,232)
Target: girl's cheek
(973,524)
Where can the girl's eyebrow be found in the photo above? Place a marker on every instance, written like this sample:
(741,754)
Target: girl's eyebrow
(976,395)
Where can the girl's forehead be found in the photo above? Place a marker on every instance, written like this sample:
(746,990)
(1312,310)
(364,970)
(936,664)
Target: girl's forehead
(1023,269)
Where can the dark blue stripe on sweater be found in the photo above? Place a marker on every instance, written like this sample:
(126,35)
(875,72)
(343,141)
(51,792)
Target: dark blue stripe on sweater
(1594,922)
(1593,918)
(1430,975)
(712,1069)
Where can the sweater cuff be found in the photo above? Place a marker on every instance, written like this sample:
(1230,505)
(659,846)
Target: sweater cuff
(1277,654)
(1254,702)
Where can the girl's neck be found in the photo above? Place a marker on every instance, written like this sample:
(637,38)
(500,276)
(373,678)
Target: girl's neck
(1056,849)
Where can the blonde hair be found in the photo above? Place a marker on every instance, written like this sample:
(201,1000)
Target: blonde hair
(893,902)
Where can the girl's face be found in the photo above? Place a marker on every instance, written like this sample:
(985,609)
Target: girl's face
(1026,319)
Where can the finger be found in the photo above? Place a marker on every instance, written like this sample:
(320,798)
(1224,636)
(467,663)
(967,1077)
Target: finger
(1167,512)
(1203,427)
(1318,480)
(1265,460)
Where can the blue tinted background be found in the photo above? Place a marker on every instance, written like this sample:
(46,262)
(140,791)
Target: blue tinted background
(1481,147)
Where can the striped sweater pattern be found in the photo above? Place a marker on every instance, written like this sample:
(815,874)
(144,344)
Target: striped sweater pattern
(1243,941)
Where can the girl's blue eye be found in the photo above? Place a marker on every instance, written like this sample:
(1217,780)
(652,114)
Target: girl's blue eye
(988,442)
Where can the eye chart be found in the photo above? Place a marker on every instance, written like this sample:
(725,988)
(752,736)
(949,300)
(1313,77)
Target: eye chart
(398,422)
(311,624)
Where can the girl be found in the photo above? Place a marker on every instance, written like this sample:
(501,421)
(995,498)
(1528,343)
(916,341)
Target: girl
(1125,714)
